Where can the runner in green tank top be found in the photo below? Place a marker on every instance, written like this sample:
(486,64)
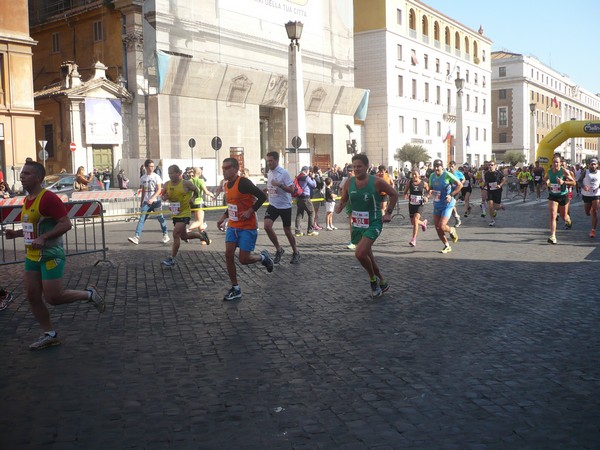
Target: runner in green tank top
(362,193)
(557,180)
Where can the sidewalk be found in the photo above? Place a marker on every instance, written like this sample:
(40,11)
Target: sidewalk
(494,345)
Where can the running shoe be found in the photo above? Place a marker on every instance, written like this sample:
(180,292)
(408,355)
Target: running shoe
(385,286)
(278,254)
(494,213)
(95,298)
(169,262)
(299,233)
(483,214)
(333,228)
(233,294)
(295,258)
(413,242)
(458,222)
(267,261)
(466,214)
(568,225)
(312,233)
(45,341)
(593,233)
(134,240)
(552,240)
(351,246)
(165,238)
(446,249)
(5,301)
(492,223)
(453,234)
(376,291)
(204,237)
(318,227)
(424,225)
(328,228)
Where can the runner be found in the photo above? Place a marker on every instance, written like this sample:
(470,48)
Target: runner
(196,178)
(441,183)
(383,174)
(243,200)
(480,179)
(44,222)
(589,180)
(180,193)
(557,180)
(524,178)
(362,193)
(460,177)
(415,191)
(494,181)
(568,170)
(280,187)
(538,179)
(467,188)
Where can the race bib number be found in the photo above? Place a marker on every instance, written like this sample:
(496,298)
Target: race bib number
(554,187)
(437,196)
(272,190)
(28,234)
(466,183)
(232,211)
(493,186)
(537,178)
(416,200)
(360,219)
(175,207)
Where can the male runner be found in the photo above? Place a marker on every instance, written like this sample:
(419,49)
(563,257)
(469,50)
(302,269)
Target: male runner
(443,186)
(589,180)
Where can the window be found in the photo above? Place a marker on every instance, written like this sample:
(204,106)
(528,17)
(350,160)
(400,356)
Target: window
(426,61)
(475,77)
(447,69)
(49,136)
(502,138)
(98,31)
(401,124)
(484,135)
(413,57)
(400,86)
(427,92)
(438,129)
(436,31)
(399,16)
(502,71)
(414,89)
(427,130)
(476,133)
(503,116)
(437,65)
(468,103)
(438,95)
(502,94)
(415,130)
(399,51)
(412,20)
(1,83)
(466,76)
(55,43)
(483,107)
(476,104)
(483,81)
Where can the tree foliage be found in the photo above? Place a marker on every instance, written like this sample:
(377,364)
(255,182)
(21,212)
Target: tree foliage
(414,153)
(513,157)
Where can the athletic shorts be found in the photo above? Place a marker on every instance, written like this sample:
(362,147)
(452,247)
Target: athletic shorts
(443,209)
(561,200)
(185,220)
(495,196)
(51,269)
(523,186)
(244,239)
(372,232)
(590,198)
(415,209)
(273,213)
(464,190)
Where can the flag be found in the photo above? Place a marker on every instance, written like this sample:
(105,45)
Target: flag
(469,139)
(555,102)
(448,135)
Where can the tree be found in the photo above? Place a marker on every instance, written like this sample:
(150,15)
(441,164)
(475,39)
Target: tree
(513,157)
(413,153)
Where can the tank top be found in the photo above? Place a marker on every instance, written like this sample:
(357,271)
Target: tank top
(179,200)
(591,181)
(199,183)
(35,224)
(441,186)
(415,193)
(555,189)
(237,203)
(365,202)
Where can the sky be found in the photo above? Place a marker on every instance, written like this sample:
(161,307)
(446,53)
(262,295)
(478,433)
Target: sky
(562,35)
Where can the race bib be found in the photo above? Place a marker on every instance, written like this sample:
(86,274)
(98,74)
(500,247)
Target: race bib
(416,200)
(360,219)
(232,211)
(537,178)
(493,186)
(28,234)
(554,187)
(272,190)
(466,183)
(174,207)
(437,195)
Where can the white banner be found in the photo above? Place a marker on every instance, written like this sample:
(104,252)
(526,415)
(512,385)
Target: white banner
(103,121)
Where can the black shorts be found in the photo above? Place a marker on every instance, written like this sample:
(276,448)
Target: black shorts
(561,200)
(464,190)
(590,198)
(414,209)
(495,196)
(185,220)
(273,213)
(523,186)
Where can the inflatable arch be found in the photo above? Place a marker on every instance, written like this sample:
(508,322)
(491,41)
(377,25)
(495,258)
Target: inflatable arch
(566,130)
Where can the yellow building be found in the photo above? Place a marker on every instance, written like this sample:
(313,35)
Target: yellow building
(17,114)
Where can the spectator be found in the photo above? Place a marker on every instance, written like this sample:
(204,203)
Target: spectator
(122,179)
(81,181)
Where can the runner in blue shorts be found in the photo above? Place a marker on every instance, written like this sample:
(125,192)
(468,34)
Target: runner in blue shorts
(441,184)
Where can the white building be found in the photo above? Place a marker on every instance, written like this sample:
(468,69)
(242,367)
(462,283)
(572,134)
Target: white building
(409,55)
(521,83)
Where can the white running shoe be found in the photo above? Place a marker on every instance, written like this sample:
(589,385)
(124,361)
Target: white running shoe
(134,240)
(165,238)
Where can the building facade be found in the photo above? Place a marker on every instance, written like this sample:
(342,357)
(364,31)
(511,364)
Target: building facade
(529,99)
(409,56)
(17,114)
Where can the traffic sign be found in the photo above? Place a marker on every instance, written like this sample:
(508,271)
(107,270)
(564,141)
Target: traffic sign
(73,147)
(216,143)
(192,142)
(43,155)
(296,142)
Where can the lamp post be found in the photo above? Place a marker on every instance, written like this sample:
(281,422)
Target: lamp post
(532,133)
(296,114)
(459,153)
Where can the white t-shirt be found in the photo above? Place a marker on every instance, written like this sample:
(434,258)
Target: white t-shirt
(150,185)
(279,198)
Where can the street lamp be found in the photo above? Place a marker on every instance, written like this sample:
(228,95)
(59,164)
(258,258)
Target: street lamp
(459,154)
(532,133)
(296,113)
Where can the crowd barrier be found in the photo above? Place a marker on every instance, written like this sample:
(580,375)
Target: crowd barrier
(86,237)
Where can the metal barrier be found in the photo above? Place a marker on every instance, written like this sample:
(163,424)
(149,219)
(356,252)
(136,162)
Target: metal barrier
(117,204)
(86,237)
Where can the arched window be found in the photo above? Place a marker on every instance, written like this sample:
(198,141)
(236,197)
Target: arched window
(412,20)
(457,40)
(467,46)
(436,31)
(475,50)
(447,36)
(425,26)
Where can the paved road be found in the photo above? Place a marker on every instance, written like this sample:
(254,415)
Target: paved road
(494,345)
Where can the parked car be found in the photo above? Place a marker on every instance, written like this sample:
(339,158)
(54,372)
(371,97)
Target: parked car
(62,183)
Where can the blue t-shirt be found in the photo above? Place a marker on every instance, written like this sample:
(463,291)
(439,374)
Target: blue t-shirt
(459,175)
(442,185)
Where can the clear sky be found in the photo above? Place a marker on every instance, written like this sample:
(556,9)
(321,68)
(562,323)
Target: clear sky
(562,35)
